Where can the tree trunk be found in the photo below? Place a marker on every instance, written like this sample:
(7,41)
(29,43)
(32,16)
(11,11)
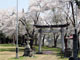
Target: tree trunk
(65,41)
(35,41)
(13,39)
(55,43)
(55,40)
(43,40)
(78,41)
(31,43)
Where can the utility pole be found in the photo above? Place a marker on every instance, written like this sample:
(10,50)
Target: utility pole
(17,30)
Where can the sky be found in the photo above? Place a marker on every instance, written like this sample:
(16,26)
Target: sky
(5,4)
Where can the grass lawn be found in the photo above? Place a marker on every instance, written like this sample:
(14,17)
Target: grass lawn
(7,52)
(7,45)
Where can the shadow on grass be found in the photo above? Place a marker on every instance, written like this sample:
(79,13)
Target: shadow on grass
(56,52)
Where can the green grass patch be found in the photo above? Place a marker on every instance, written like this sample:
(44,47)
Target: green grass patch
(63,58)
(79,53)
(7,49)
(7,45)
(44,48)
(11,49)
(20,58)
(21,49)
(57,50)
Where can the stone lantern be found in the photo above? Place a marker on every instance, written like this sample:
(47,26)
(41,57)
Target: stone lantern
(27,50)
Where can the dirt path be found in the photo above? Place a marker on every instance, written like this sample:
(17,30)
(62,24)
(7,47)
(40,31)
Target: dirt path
(8,55)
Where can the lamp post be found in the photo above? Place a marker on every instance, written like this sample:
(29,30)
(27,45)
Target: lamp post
(17,29)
